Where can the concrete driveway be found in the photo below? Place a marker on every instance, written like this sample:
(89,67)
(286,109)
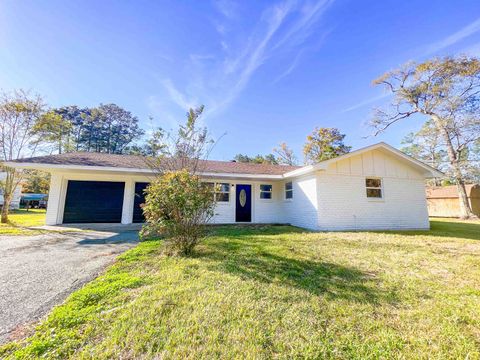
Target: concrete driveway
(38,272)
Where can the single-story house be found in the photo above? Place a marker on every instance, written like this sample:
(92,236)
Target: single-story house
(377,187)
(17,194)
(443,201)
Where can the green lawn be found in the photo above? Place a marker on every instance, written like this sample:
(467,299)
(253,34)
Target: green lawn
(279,292)
(20,220)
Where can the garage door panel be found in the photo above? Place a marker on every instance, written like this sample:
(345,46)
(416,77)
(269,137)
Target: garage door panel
(93,202)
(139,200)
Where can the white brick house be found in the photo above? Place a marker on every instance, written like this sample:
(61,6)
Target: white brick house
(377,187)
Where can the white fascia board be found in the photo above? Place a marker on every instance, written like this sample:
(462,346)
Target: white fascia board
(243,176)
(302,171)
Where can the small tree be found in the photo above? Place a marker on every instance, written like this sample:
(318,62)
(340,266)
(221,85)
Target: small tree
(19,112)
(323,144)
(446,92)
(155,144)
(183,149)
(177,203)
(285,155)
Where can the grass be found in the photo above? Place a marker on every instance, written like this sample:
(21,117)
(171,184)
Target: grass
(20,220)
(278,292)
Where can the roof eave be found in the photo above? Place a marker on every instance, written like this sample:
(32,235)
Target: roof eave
(60,168)
(428,171)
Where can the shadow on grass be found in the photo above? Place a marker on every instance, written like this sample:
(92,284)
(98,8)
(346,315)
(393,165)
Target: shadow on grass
(240,230)
(122,238)
(247,259)
(441,228)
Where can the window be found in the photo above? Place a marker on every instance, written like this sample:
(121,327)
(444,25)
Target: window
(265,191)
(289,190)
(374,188)
(221,191)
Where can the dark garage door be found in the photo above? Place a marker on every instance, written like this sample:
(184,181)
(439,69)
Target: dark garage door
(93,202)
(139,199)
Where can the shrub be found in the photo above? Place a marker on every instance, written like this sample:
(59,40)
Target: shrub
(177,206)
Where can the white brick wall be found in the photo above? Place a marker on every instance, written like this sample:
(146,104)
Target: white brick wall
(343,204)
(302,209)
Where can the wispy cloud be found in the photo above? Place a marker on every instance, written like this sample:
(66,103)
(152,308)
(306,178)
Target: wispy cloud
(366,102)
(296,60)
(157,107)
(226,7)
(433,48)
(289,70)
(454,38)
(302,28)
(254,55)
(178,97)
(217,81)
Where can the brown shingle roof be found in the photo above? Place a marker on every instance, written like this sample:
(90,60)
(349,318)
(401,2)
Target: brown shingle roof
(139,162)
(449,192)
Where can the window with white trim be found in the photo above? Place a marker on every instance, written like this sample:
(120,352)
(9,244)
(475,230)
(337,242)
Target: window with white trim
(374,188)
(289,190)
(220,191)
(265,191)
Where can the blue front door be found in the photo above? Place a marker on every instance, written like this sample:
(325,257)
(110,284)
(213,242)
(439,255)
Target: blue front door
(243,203)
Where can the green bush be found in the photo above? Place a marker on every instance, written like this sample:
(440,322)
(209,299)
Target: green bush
(177,207)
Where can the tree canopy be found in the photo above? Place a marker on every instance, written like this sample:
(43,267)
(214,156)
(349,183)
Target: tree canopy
(106,128)
(258,159)
(446,93)
(323,144)
(36,182)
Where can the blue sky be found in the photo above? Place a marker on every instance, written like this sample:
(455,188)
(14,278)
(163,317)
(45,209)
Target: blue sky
(267,71)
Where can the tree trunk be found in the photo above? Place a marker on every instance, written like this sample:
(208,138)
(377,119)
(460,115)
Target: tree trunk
(7,199)
(465,209)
